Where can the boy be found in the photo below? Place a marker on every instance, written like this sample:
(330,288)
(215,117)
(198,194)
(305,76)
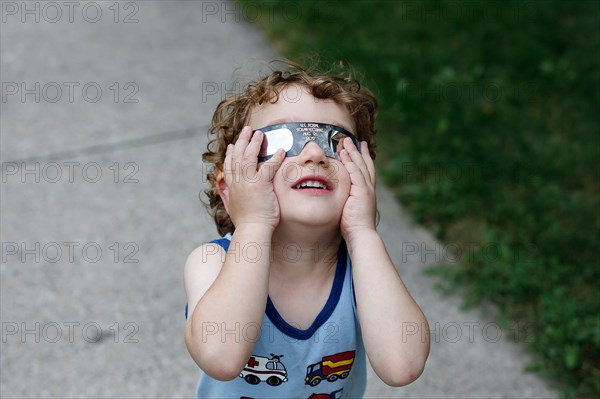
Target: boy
(301,286)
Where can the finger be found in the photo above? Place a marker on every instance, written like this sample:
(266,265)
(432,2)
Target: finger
(341,145)
(357,158)
(269,168)
(227,164)
(357,176)
(253,149)
(364,151)
(242,143)
(227,161)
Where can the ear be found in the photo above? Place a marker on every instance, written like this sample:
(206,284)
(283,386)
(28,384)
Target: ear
(222,189)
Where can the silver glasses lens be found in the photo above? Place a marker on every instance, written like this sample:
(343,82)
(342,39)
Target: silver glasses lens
(276,139)
(335,141)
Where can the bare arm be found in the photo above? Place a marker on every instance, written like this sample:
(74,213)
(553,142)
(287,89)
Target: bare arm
(394,329)
(228,296)
(234,300)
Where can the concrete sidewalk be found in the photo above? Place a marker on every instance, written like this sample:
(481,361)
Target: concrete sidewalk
(104,115)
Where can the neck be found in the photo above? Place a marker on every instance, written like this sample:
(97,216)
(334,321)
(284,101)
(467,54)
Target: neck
(304,250)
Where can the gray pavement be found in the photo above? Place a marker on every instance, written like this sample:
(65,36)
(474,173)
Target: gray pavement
(103,122)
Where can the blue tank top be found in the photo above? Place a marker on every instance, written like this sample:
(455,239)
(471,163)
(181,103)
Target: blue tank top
(325,361)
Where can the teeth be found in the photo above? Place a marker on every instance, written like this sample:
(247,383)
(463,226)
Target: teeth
(311,184)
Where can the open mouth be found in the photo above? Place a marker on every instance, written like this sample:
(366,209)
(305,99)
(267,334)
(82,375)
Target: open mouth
(311,184)
(314,183)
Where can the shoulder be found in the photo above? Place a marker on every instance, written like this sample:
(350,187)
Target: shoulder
(210,252)
(202,268)
(206,253)
(207,257)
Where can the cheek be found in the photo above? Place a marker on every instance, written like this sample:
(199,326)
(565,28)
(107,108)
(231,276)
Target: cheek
(287,174)
(339,174)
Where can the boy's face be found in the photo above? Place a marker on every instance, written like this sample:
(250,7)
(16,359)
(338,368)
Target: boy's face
(310,187)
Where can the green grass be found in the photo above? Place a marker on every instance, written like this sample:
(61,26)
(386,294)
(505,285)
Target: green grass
(489,133)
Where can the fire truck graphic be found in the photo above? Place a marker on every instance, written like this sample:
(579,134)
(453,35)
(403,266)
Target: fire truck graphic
(333,395)
(259,368)
(330,368)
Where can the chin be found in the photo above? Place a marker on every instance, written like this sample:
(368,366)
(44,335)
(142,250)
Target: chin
(315,217)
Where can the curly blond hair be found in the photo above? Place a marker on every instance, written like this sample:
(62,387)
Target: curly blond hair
(233,113)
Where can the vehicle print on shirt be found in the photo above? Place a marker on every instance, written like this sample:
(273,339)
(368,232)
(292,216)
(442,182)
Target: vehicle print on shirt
(333,395)
(330,368)
(269,370)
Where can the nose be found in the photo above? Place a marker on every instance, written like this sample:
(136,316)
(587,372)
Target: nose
(312,153)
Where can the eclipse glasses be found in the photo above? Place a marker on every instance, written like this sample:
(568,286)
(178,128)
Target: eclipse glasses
(293,136)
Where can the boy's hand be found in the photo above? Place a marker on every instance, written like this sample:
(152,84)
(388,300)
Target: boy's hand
(359,212)
(252,199)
